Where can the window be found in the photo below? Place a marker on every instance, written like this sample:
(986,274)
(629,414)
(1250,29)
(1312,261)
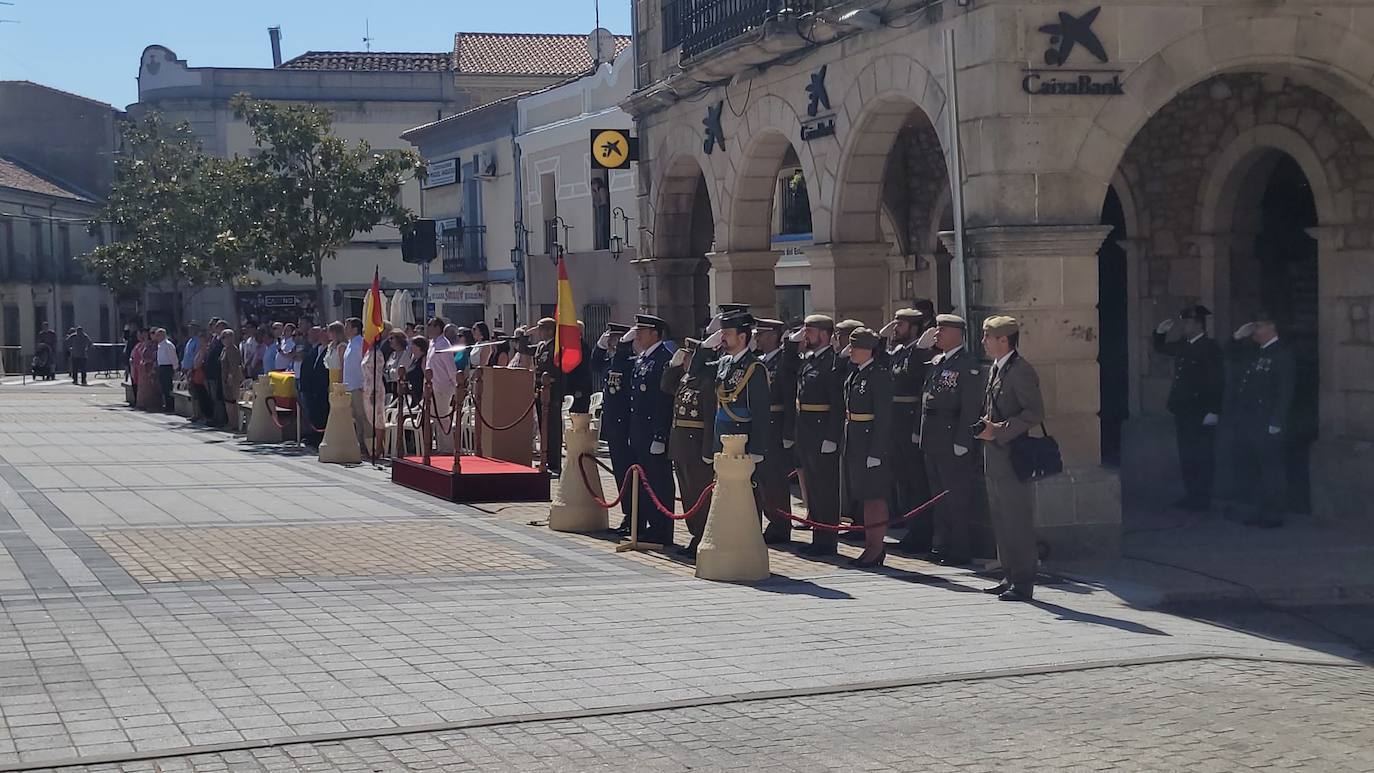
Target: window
(64,242)
(672,25)
(36,253)
(794,206)
(68,318)
(11,325)
(601,210)
(6,247)
(595,317)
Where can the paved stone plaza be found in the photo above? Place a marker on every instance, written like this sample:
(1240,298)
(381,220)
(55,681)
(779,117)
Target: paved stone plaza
(170,590)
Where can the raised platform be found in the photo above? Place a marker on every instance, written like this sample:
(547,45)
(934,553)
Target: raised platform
(480,479)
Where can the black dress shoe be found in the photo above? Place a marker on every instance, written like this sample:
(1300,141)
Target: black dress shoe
(912,548)
(876,561)
(776,538)
(953,561)
(1016,593)
(817,551)
(998,589)
(688,551)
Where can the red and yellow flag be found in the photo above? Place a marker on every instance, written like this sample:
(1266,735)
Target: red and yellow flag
(569,336)
(372,312)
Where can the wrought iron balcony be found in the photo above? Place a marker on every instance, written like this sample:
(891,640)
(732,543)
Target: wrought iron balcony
(464,249)
(705,24)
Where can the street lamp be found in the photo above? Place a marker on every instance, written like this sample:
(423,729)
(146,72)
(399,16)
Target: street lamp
(617,241)
(559,248)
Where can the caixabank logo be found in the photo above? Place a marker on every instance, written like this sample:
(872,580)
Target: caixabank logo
(1066,36)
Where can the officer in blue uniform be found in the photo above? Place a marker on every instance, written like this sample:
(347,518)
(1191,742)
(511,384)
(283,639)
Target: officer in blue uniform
(615,358)
(651,421)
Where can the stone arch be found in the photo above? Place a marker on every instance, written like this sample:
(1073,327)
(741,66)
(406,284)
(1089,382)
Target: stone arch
(755,152)
(1228,172)
(876,105)
(673,197)
(1325,56)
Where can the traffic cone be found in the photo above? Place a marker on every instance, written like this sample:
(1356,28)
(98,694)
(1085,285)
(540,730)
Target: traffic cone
(732,547)
(340,444)
(573,507)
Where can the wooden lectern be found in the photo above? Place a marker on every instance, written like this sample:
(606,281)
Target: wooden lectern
(506,395)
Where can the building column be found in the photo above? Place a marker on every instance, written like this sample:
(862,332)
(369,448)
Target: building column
(1046,277)
(850,281)
(745,277)
(676,290)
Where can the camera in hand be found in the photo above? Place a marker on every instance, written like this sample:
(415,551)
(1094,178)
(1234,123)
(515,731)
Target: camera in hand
(979,426)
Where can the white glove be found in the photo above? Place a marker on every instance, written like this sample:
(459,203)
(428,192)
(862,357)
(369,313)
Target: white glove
(887,329)
(798,335)
(604,342)
(1210,420)
(1165,326)
(927,339)
(628,337)
(679,357)
(872,462)
(788,443)
(1274,430)
(657,448)
(756,458)
(1244,331)
(708,460)
(753,343)
(828,446)
(959,450)
(846,350)
(916,438)
(713,341)
(713,325)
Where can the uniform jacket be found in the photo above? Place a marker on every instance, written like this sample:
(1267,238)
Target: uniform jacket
(651,411)
(1199,376)
(742,397)
(615,398)
(868,391)
(782,394)
(1262,389)
(951,401)
(1013,404)
(820,381)
(694,406)
(578,383)
(908,366)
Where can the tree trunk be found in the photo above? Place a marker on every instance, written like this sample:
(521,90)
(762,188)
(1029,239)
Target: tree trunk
(322,304)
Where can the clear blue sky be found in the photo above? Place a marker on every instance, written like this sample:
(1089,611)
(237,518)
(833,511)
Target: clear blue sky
(92,47)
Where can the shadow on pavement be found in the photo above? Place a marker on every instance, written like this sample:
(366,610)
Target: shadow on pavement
(789,587)
(1064,613)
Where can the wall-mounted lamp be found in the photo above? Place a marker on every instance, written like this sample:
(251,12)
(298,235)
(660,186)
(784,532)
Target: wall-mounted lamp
(619,241)
(559,249)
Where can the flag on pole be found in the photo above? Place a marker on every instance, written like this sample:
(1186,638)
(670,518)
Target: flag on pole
(568,343)
(372,313)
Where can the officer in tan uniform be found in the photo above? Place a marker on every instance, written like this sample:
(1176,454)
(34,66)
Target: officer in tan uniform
(689,443)
(867,440)
(778,459)
(819,428)
(952,402)
(907,359)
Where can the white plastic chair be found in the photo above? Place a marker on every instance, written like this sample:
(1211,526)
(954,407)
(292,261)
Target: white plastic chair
(595,410)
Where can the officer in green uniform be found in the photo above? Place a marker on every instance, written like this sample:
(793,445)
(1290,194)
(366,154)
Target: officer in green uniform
(1195,401)
(867,440)
(819,428)
(951,403)
(1262,394)
(689,443)
(907,361)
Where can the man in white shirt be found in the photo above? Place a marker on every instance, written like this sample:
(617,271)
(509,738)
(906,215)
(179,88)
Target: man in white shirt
(443,381)
(353,378)
(166,366)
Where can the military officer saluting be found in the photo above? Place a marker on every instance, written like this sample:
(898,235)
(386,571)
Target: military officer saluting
(907,360)
(740,383)
(819,428)
(616,358)
(867,441)
(689,445)
(651,417)
(951,403)
(1195,400)
(782,390)
(1260,402)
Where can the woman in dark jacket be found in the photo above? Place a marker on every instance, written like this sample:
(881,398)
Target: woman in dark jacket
(868,422)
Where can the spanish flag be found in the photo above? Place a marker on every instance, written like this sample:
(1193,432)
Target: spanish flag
(569,336)
(372,312)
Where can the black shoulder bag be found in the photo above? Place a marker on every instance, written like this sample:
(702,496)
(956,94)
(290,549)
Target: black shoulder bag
(1034,458)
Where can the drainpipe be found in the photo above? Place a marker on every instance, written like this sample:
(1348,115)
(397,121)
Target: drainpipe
(958,270)
(522,286)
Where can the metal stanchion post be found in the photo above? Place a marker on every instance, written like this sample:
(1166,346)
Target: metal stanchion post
(477,406)
(460,394)
(544,381)
(634,543)
(426,431)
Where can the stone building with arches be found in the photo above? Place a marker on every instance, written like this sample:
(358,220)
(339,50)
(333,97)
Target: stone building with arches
(1115,162)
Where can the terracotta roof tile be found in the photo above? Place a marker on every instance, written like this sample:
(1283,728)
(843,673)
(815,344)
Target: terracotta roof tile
(14,175)
(495,53)
(362,61)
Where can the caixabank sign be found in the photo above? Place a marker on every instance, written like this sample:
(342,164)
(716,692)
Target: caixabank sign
(1068,35)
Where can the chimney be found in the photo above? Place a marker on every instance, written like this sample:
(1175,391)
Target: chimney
(275,34)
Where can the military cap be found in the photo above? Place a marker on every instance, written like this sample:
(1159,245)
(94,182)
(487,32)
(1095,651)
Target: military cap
(819,321)
(548,322)
(1001,325)
(737,320)
(649,320)
(909,315)
(763,323)
(617,327)
(864,338)
(951,320)
(1198,312)
(1264,316)
(848,325)
(730,308)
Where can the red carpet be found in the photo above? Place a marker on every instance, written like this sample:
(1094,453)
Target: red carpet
(473,465)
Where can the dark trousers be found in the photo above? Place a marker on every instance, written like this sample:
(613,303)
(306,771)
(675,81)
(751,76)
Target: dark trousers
(1196,457)
(164,378)
(551,440)
(658,475)
(821,483)
(201,396)
(1013,516)
(1261,475)
(693,476)
(622,457)
(217,415)
(947,472)
(911,488)
(774,493)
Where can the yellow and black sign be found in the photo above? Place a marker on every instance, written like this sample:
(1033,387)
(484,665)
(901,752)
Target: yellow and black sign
(613,149)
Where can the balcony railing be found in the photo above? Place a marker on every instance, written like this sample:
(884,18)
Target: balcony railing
(464,249)
(706,24)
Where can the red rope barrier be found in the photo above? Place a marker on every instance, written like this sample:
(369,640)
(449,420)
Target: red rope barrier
(624,486)
(862,527)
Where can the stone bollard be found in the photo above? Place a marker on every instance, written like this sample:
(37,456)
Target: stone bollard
(732,547)
(573,508)
(340,444)
(260,426)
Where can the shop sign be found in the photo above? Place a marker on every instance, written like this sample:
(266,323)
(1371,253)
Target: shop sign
(461,294)
(442,173)
(1066,36)
(818,124)
(715,135)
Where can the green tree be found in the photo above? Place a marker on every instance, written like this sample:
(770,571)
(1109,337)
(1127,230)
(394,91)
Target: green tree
(312,192)
(172,211)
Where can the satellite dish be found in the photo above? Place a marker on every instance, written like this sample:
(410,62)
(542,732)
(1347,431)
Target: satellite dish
(601,45)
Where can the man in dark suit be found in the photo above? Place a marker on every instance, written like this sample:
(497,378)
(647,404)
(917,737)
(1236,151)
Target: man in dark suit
(1012,406)
(651,419)
(1194,400)
(1262,393)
